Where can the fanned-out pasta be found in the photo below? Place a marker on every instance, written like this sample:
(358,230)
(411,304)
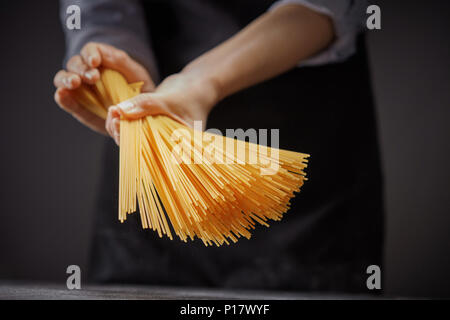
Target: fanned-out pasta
(218,199)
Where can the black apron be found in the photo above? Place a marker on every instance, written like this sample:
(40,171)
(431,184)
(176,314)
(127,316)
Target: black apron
(334,229)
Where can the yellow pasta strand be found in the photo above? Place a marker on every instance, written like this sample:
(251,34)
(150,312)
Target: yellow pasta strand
(217,199)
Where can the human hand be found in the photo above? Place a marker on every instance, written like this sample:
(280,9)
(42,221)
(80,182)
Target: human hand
(184,97)
(83,68)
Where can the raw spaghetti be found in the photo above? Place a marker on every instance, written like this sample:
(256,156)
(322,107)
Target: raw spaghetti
(218,199)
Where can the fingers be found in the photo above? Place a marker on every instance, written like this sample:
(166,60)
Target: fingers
(96,54)
(83,68)
(68,80)
(146,104)
(139,106)
(113,124)
(64,98)
(132,109)
(135,109)
(91,54)
(77,65)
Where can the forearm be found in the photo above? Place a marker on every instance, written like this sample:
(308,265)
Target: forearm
(272,44)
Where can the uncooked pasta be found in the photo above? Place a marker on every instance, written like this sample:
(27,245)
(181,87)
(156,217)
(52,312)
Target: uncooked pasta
(218,198)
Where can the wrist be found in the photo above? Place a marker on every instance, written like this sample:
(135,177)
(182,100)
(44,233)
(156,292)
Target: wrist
(204,85)
(190,95)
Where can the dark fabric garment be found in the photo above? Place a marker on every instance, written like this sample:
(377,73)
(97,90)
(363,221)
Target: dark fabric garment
(334,229)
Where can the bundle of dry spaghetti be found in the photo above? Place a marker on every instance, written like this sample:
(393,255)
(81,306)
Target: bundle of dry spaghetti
(219,198)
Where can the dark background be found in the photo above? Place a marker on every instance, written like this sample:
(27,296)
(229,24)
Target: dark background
(49,166)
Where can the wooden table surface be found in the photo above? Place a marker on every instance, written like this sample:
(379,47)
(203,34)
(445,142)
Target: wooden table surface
(11,290)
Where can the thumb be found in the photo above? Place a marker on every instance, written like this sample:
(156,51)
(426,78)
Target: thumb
(146,104)
(139,106)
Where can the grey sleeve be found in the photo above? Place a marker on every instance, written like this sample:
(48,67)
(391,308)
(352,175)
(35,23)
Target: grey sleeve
(348,17)
(116,22)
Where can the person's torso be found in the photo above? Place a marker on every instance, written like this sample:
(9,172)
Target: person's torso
(335,224)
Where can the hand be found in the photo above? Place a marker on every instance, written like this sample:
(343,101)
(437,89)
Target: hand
(83,68)
(184,97)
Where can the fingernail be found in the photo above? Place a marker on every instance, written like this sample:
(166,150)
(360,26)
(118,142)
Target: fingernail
(66,82)
(126,106)
(91,61)
(70,80)
(89,74)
